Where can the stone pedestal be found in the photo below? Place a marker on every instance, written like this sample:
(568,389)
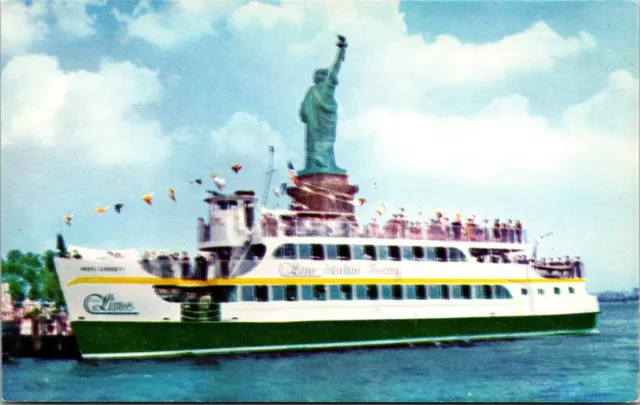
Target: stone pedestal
(327,193)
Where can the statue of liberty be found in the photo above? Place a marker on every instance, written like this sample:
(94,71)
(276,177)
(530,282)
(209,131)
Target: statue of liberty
(319,111)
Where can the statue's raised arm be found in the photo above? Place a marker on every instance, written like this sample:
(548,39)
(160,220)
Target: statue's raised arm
(319,111)
(342,50)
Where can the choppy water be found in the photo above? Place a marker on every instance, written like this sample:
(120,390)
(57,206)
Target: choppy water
(595,368)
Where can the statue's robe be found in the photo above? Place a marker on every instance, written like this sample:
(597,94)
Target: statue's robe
(319,111)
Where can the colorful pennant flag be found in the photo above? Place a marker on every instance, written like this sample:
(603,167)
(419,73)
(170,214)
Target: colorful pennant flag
(419,213)
(172,194)
(384,206)
(283,188)
(236,168)
(362,201)
(293,175)
(213,176)
(148,198)
(101,210)
(276,192)
(220,183)
(198,181)
(118,207)
(67,219)
(379,211)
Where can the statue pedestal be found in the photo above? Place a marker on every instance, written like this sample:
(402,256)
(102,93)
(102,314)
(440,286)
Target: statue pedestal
(326,193)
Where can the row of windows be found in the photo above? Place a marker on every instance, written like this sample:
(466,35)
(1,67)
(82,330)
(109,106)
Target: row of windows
(367,252)
(263,293)
(556,291)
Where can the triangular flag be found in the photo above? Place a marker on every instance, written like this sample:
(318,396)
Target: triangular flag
(362,201)
(172,194)
(148,198)
(283,188)
(214,176)
(419,213)
(276,192)
(236,168)
(293,175)
(101,210)
(197,181)
(379,211)
(118,207)
(67,219)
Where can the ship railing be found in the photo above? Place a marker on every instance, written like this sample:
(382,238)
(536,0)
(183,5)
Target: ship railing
(199,312)
(272,227)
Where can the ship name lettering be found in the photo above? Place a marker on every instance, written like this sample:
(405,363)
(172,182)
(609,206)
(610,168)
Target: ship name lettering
(296,270)
(384,271)
(107,305)
(345,270)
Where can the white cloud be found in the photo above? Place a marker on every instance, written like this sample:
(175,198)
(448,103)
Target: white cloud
(72,17)
(387,65)
(178,21)
(21,25)
(506,143)
(96,115)
(246,135)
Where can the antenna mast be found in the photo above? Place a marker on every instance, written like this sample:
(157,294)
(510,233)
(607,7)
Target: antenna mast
(269,174)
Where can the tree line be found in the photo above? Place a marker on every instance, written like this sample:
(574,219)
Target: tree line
(33,276)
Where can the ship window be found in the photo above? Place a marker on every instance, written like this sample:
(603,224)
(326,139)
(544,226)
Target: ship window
(421,292)
(347,291)
(396,292)
(358,252)
(445,292)
(407,253)
(320,292)
(435,292)
(456,255)
(556,290)
(277,293)
(524,291)
(394,253)
(224,294)
(332,252)
(262,293)
(372,292)
(462,292)
(502,293)
(411,292)
(572,290)
(334,293)
(222,205)
(386,292)
(383,253)
(540,291)
(344,252)
(484,292)
(287,251)
(431,253)
(247,293)
(361,292)
(304,251)
(441,254)
(291,292)
(307,293)
(256,252)
(418,252)
(317,252)
(370,252)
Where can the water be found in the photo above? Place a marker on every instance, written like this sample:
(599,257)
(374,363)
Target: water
(594,368)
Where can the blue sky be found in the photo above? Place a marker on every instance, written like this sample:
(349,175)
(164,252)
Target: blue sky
(522,110)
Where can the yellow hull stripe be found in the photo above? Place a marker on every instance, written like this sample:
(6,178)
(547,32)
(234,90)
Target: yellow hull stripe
(310,281)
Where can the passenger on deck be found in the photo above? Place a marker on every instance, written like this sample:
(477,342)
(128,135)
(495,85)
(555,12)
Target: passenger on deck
(375,227)
(146,263)
(511,232)
(76,255)
(496,230)
(518,229)
(471,229)
(504,233)
(202,268)
(457,227)
(446,229)
(185,265)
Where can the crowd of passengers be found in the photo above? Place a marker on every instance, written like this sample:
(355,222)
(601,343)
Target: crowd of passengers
(174,265)
(438,228)
(559,267)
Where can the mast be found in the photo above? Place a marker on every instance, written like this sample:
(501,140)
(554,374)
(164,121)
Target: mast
(269,174)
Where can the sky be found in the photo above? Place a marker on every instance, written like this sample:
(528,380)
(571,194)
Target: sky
(520,110)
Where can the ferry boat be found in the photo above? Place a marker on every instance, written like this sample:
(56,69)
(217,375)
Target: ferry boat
(303,280)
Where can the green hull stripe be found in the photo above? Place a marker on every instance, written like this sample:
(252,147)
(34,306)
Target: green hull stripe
(175,353)
(153,339)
